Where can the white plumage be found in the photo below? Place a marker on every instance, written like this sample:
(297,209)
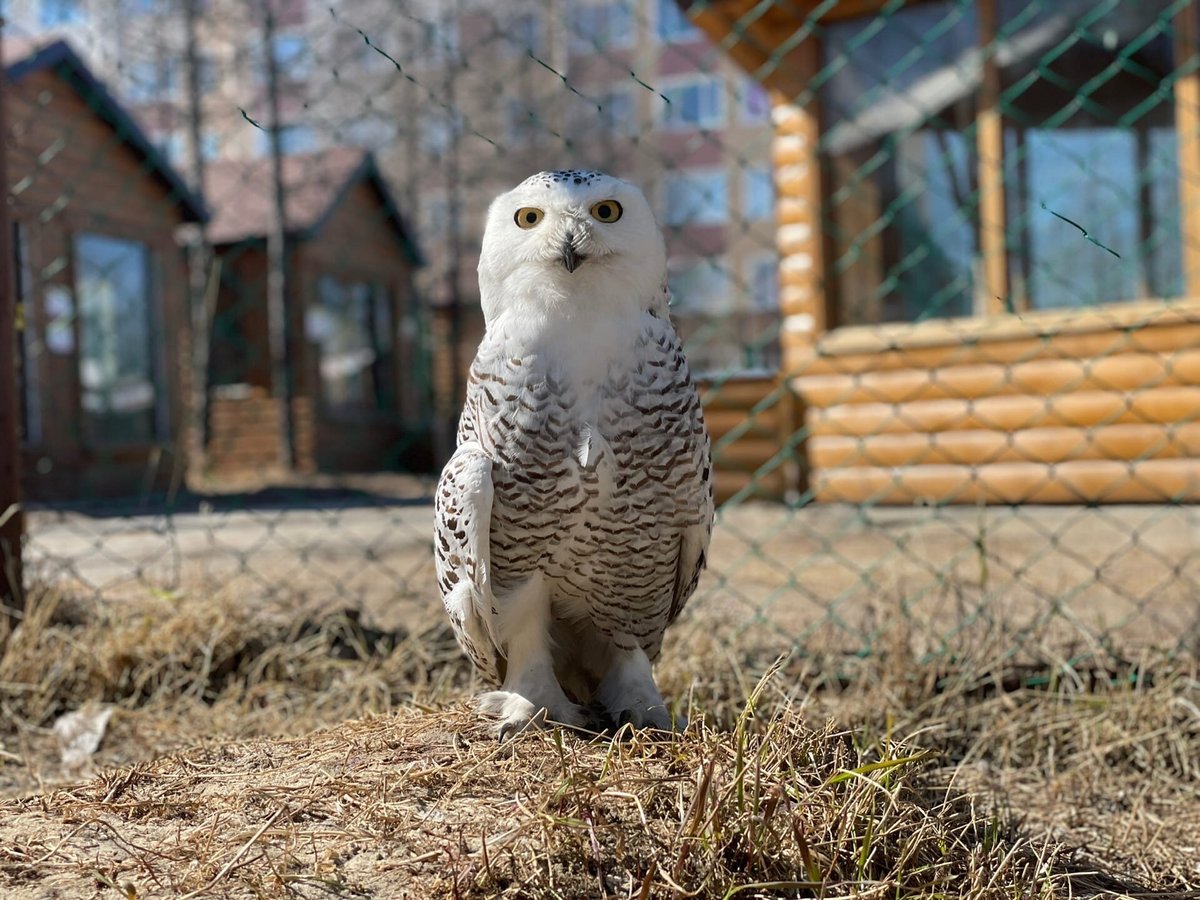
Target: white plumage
(573,520)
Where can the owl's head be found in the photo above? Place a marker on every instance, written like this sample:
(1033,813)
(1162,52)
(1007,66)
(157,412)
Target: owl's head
(561,239)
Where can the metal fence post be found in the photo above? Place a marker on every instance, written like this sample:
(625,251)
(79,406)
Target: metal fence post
(12,518)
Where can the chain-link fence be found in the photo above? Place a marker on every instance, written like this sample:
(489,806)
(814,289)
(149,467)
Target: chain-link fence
(938,264)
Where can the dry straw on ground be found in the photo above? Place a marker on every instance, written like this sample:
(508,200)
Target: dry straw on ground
(896,779)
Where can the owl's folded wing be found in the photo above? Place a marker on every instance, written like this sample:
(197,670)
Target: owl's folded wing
(462,542)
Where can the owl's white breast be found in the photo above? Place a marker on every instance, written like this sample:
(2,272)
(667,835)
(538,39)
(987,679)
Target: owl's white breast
(582,348)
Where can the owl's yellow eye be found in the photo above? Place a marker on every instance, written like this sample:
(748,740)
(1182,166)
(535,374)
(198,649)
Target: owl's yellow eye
(606,211)
(528,216)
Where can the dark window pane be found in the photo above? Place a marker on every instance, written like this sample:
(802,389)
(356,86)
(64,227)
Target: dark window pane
(116,364)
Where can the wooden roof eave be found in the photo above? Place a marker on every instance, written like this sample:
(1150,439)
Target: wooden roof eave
(761,36)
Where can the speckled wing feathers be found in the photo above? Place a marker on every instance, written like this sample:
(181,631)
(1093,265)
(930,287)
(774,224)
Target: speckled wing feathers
(462,552)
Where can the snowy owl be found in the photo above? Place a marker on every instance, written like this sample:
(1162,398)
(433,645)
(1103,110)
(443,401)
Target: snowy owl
(573,520)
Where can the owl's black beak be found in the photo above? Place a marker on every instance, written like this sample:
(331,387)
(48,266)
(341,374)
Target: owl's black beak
(571,258)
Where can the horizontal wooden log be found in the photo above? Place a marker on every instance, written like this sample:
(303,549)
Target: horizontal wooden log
(721,422)
(770,486)
(1082,481)
(1134,316)
(1041,445)
(745,454)
(1083,409)
(739,393)
(800,359)
(796,180)
(1044,377)
(793,210)
(791,150)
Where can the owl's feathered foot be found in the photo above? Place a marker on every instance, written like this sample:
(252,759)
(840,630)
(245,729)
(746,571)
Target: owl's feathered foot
(531,696)
(629,695)
(655,717)
(517,714)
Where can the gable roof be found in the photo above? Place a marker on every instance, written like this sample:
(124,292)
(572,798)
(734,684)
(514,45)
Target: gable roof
(23,58)
(314,184)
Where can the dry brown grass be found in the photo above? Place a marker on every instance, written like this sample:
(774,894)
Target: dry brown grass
(887,777)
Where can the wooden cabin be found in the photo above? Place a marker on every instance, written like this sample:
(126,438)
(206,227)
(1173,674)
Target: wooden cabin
(358,384)
(988,216)
(104,361)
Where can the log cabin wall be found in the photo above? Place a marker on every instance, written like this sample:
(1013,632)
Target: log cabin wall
(753,425)
(1098,404)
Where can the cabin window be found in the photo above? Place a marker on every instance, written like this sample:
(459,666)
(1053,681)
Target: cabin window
(1089,144)
(351,326)
(117,336)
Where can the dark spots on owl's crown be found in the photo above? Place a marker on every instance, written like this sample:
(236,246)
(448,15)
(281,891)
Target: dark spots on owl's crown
(565,176)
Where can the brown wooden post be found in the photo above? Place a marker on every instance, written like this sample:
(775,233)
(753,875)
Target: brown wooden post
(989,139)
(1187,127)
(12,517)
(799,233)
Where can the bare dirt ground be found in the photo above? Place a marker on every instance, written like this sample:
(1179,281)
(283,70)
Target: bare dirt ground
(251,755)
(428,805)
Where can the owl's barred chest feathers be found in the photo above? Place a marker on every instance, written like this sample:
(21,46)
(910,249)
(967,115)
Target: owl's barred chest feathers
(599,461)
